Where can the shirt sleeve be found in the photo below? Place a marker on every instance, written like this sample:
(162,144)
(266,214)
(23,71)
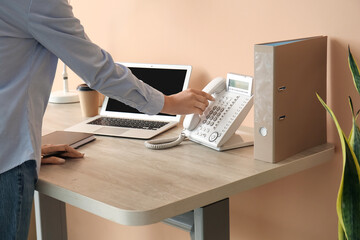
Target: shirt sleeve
(53,25)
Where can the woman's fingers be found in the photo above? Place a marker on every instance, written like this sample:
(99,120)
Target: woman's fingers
(52,154)
(187,102)
(52,160)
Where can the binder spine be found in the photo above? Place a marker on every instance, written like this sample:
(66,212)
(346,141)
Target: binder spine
(264,103)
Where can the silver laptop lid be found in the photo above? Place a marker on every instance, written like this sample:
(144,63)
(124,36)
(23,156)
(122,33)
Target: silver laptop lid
(168,79)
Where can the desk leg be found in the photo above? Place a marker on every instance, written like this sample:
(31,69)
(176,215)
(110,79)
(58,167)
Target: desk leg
(50,217)
(206,223)
(212,222)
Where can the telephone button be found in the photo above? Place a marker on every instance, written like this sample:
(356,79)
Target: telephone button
(213,136)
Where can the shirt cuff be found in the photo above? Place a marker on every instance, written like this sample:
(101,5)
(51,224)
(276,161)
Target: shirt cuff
(155,103)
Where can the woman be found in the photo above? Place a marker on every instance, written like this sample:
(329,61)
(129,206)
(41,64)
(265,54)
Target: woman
(33,35)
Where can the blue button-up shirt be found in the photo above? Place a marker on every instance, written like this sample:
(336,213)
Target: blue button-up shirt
(33,35)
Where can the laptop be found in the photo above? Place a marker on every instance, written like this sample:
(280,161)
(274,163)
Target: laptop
(120,120)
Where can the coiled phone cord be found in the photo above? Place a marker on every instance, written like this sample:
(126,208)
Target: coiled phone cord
(159,144)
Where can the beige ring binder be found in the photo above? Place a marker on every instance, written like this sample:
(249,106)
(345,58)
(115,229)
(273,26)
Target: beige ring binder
(288,116)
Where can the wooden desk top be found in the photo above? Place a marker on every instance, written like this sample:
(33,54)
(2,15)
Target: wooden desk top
(121,180)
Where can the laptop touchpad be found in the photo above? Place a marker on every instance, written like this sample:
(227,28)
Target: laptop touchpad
(112,131)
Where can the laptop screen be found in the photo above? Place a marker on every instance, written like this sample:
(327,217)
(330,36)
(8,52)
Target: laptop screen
(167,81)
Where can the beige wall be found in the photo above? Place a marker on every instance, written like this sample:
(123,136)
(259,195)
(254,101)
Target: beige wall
(216,37)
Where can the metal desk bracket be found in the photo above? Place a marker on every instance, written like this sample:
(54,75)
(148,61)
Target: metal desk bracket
(210,222)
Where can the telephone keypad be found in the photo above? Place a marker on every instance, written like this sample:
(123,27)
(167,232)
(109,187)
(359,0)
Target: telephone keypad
(212,117)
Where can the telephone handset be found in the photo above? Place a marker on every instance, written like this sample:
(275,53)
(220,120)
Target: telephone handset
(216,127)
(216,86)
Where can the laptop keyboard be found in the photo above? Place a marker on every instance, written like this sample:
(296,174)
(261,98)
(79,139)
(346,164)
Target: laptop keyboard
(128,123)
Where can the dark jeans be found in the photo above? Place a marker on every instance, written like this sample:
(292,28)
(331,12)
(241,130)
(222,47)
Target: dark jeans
(16,196)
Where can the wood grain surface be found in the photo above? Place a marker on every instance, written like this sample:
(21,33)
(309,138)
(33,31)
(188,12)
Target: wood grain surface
(121,180)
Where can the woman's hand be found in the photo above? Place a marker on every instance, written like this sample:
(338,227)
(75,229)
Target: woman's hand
(187,102)
(55,154)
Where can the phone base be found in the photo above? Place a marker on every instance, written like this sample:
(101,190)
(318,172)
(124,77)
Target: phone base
(239,139)
(243,137)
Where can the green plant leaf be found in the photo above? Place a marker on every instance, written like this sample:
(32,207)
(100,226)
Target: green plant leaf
(354,71)
(357,114)
(341,234)
(348,201)
(349,195)
(354,137)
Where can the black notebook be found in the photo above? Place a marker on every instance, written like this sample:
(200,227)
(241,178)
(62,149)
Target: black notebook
(73,139)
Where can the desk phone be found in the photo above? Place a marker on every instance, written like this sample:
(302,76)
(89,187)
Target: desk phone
(220,120)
